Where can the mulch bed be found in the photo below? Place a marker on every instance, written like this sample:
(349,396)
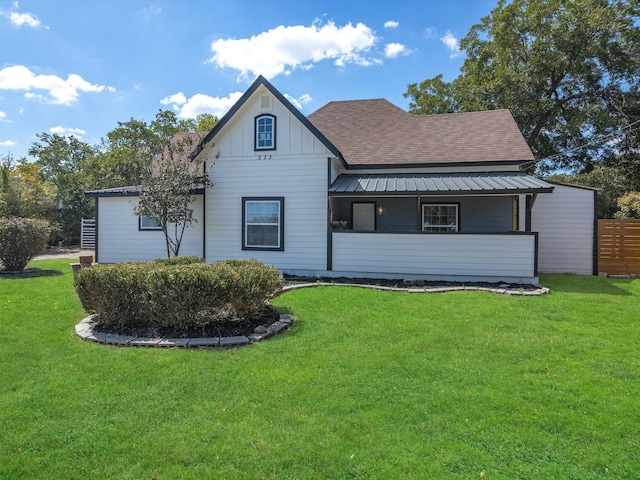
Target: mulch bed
(220,329)
(293,280)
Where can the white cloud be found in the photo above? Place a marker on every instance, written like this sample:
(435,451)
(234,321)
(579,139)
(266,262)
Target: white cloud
(452,44)
(2,115)
(57,91)
(200,103)
(391,24)
(7,143)
(429,32)
(392,50)
(64,131)
(283,49)
(27,19)
(177,98)
(298,102)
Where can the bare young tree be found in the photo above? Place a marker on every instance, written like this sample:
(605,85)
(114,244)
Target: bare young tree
(167,188)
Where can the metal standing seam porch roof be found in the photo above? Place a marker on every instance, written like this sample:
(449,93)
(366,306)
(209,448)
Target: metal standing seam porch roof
(439,184)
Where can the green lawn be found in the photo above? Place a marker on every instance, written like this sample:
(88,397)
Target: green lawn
(366,384)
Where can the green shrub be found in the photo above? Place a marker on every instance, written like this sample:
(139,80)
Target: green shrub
(251,283)
(116,292)
(180,295)
(21,239)
(187,260)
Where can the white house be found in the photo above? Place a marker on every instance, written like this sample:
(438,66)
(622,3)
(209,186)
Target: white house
(364,189)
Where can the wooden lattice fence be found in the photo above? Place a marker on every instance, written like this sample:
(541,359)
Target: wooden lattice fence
(619,247)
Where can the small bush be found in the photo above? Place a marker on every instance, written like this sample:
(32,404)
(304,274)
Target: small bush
(115,292)
(21,239)
(180,295)
(187,260)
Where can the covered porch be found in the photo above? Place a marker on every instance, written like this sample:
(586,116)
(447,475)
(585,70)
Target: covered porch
(457,227)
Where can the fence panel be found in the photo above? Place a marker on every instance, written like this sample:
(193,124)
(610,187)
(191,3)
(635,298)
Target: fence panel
(619,247)
(88,233)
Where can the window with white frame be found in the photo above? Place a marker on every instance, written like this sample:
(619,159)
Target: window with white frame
(265,132)
(148,222)
(263,223)
(440,217)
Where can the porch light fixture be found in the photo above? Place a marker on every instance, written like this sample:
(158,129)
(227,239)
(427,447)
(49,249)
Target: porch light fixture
(380,210)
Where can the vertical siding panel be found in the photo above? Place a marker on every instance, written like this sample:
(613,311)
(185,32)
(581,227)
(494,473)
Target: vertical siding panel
(565,222)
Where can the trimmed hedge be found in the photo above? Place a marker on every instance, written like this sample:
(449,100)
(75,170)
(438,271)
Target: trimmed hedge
(21,239)
(178,294)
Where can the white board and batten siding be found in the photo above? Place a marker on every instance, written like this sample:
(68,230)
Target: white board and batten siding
(565,222)
(296,170)
(489,257)
(120,240)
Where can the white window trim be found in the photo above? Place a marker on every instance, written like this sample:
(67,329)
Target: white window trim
(152,225)
(272,145)
(439,228)
(280,224)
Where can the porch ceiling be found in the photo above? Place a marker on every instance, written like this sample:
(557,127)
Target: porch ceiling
(439,184)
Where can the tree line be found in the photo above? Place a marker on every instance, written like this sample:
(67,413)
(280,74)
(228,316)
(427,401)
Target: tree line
(51,186)
(569,71)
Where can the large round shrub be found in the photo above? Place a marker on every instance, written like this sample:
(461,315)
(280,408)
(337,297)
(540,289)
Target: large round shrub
(21,239)
(178,295)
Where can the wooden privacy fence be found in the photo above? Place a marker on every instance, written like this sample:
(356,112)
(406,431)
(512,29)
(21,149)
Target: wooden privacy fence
(619,247)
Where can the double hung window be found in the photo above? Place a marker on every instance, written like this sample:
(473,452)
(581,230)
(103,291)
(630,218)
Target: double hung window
(263,223)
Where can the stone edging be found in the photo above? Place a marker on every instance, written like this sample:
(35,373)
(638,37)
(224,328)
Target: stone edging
(85,330)
(508,290)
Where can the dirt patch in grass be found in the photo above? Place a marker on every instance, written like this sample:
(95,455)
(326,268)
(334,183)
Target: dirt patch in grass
(229,328)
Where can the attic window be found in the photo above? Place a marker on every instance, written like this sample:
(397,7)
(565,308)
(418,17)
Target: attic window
(265,101)
(265,134)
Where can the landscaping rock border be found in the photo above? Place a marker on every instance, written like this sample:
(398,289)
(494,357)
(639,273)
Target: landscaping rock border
(502,289)
(85,329)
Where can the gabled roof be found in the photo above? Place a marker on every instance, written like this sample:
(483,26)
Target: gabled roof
(261,81)
(377,133)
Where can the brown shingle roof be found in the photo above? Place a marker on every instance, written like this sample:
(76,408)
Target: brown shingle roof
(376,132)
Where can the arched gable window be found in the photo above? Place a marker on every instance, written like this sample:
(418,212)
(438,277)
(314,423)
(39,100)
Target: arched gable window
(265,134)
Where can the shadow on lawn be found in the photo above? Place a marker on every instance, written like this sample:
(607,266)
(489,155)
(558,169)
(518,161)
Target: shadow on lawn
(586,284)
(30,273)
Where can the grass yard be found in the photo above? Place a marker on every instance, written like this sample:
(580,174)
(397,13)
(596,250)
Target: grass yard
(366,384)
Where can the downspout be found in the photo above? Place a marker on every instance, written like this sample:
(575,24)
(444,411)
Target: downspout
(95,247)
(204,213)
(329,230)
(595,233)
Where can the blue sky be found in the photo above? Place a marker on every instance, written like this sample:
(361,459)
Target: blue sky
(79,67)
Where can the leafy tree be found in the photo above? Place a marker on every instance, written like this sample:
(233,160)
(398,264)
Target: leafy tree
(629,205)
(568,71)
(167,189)
(63,161)
(129,149)
(205,122)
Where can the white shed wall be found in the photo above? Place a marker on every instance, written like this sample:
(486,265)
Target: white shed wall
(565,221)
(120,240)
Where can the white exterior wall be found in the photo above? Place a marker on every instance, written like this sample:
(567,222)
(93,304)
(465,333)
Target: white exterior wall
(565,221)
(457,257)
(297,170)
(120,240)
